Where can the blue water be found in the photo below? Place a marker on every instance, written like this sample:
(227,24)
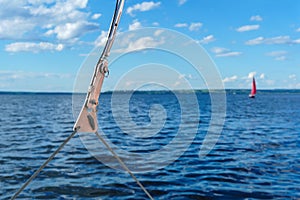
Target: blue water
(257,155)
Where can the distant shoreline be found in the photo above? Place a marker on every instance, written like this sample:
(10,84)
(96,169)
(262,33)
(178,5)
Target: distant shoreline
(229,91)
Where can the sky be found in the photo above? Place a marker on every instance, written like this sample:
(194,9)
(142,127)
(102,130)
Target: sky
(44,43)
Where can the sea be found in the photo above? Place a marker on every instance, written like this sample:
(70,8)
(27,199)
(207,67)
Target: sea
(253,154)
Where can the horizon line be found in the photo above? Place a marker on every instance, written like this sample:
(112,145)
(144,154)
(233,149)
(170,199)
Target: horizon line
(126,91)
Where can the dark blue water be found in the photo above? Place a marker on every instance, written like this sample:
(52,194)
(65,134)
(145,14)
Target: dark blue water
(257,155)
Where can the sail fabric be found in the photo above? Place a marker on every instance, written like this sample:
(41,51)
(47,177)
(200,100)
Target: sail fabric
(253,91)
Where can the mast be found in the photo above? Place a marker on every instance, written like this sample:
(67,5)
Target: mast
(87,119)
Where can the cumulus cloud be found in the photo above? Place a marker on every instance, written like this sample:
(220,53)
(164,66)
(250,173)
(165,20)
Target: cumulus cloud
(195,26)
(155,24)
(223,52)
(135,25)
(30,20)
(273,40)
(298,30)
(142,7)
(181,25)
(219,50)
(247,28)
(18,75)
(185,76)
(27,81)
(96,16)
(256,18)
(296,41)
(229,54)
(251,74)
(135,42)
(181,2)
(278,55)
(72,30)
(140,44)
(256,41)
(207,39)
(101,40)
(292,76)
(244,81)
(230,79)
(33,47)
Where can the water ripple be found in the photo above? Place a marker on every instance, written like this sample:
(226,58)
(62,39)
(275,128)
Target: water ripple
(256,157)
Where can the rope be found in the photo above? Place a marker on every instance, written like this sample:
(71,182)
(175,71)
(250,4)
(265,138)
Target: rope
(43,165)
(123,165)
(61,146)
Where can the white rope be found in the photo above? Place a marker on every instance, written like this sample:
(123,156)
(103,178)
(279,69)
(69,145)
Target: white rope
(123,165)
(43,165)
(36,173)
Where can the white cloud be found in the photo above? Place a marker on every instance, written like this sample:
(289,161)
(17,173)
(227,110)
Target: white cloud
(158,33)
(142,7)
(296,41)
(229,54)
(276,53)
(256,41)
(195,26)
(72,30)
(96,16)
(292,76)
(207,39)
(135,25)
(35,81)
(247,28)
(33,47)
(140,43)
(181,25)
(244,81)
(256,18)
(181,2)
(101,40)
(155,24)
(251,75)
(37,19)
(262,76)
(40,1)
(281,58)
(185,76)
(273,40)
(223,52)
(219,50)
(15,27)
(278,40)
(298,30)
(18,75)
(230,79)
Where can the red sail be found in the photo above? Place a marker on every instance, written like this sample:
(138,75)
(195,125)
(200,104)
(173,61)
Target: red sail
(253,91)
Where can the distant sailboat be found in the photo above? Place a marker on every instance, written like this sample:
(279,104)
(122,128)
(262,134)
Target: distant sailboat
(253,91)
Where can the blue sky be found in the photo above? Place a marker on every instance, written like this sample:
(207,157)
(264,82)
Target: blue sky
(43,43)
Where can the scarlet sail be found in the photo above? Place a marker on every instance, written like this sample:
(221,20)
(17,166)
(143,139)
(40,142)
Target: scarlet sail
(253,91)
